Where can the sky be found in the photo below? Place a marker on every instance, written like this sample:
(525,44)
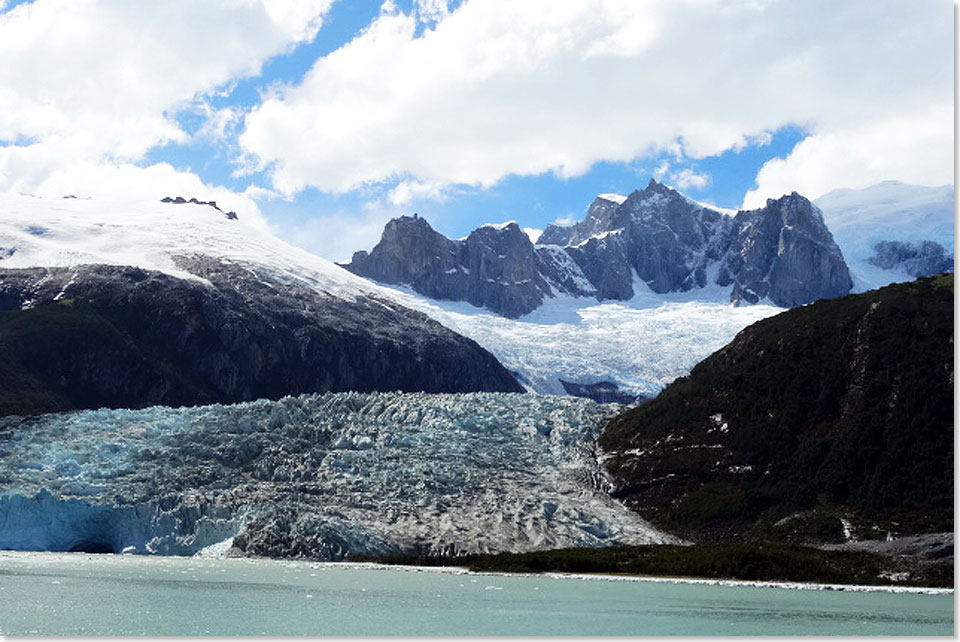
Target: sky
(323,119)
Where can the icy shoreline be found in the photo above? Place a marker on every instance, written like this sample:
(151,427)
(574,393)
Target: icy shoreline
(42,556)
(802,586)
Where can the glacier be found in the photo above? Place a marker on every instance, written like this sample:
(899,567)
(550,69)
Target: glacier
(862,219)
(318,476)
(641,345)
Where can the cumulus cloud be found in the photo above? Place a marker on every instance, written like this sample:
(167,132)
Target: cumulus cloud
(408,191)
(431,10)
(661,170)
(684,178)
(355,230)
(688,178)
(566,220)
(100,82)
(915,148)
(502,87)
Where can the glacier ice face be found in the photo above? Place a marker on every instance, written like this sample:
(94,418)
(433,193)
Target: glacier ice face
(319,476)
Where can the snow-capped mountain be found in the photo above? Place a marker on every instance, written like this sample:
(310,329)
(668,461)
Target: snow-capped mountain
(672,265)
(128,304)
(153,235)
(319,476)
(892,232)
(782,253)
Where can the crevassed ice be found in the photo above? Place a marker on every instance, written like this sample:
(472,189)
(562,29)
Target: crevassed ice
(641,345)
(317,476)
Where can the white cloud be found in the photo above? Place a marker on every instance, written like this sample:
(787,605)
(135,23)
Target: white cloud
(218,124)
(99,82)
(354,231)
(661,170)
(408,191)
(431,10)
(683,179)
(688,178)
(502,87)
(913,149)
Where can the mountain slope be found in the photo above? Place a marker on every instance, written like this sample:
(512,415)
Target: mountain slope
(838,410)
(656,239)
(892,232)
(136,304)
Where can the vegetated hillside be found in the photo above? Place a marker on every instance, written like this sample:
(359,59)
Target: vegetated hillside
(831,417)
(751,561)
(123,337)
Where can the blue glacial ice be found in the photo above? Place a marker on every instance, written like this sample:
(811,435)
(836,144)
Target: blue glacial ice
(315,476)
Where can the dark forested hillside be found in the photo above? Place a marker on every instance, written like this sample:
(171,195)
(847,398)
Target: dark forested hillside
(129,338)
(828,417)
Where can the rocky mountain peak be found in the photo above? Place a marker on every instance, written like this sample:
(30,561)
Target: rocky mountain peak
(782,252)
(496,266)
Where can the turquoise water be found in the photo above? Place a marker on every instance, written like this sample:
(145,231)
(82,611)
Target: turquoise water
(81,594)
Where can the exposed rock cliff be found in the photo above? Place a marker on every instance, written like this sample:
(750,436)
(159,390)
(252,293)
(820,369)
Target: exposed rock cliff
(494,267)
(782,252)
(924,258)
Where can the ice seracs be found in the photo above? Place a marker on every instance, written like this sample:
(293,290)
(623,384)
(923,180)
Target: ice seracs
(318,476)
(638,346)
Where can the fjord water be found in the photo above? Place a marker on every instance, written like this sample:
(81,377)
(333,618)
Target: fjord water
(82,594)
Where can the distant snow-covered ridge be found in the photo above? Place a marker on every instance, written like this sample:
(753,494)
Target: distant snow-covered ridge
(907,215)
(640,346)
(319,476)
(153,235)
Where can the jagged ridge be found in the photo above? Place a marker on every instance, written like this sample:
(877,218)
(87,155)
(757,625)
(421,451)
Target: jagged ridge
(782,252)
